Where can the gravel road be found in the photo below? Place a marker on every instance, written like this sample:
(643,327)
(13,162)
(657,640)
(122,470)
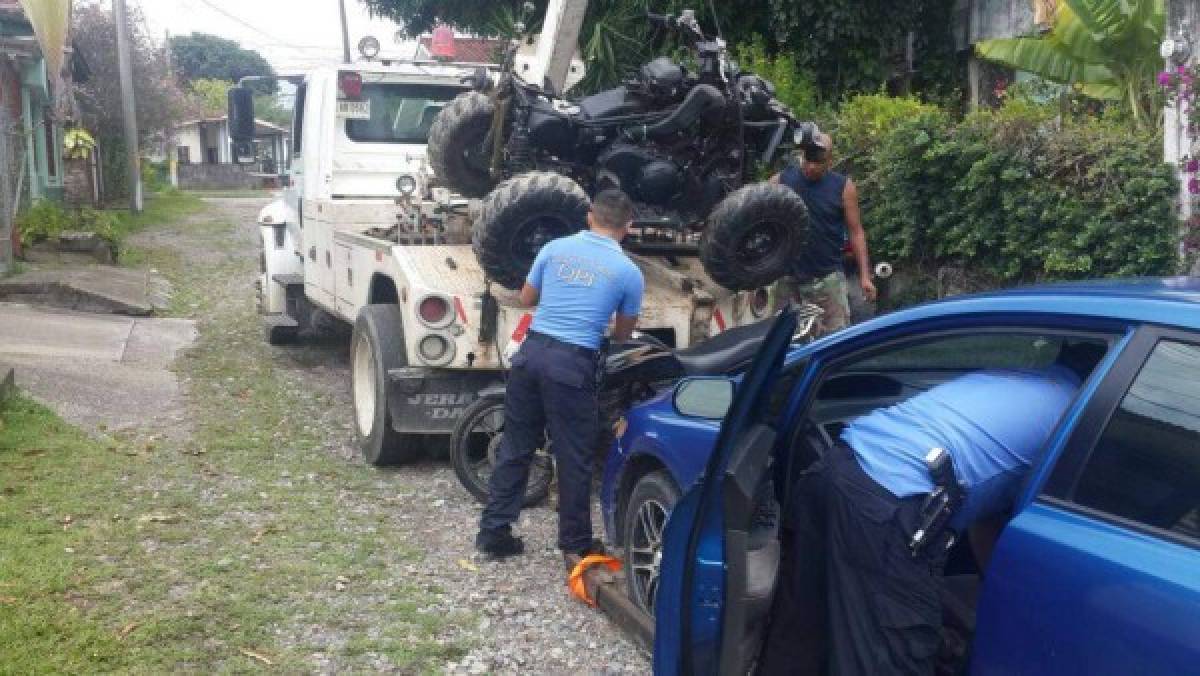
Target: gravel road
(520,618)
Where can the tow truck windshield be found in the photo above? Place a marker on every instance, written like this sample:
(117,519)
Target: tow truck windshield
(399,113)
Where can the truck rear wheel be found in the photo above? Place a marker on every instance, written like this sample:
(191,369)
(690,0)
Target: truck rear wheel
(753,236)
(473,446)
(377,346)
(456,146)
(519,217)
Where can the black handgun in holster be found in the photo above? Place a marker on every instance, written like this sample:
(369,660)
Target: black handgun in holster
(601,359)
(941,504)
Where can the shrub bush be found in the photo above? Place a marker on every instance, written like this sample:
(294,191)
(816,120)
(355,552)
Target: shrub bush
(794,86)
(48,220)
(1014,196)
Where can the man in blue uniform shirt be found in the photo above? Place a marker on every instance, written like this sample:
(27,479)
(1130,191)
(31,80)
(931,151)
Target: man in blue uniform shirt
(577,283)
(854,598)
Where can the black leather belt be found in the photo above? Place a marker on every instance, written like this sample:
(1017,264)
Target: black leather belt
(551,341)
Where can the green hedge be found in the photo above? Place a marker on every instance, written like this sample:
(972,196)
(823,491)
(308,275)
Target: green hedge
(1013,195)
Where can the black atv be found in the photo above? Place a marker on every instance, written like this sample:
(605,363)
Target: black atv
(682,144)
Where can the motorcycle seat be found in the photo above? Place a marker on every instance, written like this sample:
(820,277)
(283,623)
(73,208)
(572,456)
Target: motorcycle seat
(725,352)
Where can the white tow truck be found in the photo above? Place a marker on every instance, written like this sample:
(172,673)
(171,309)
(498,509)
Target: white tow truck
(362,233)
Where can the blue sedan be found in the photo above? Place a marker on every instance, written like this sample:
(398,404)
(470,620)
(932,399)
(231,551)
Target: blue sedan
(1096,571)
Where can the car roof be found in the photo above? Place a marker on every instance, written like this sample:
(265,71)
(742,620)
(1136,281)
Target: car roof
(1169,301)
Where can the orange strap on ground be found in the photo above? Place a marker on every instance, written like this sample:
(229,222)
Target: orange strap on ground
(575,579)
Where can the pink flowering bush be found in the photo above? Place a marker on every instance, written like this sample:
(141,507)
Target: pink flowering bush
(1180,85)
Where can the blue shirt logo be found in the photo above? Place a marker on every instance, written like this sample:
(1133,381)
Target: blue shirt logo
(583,279)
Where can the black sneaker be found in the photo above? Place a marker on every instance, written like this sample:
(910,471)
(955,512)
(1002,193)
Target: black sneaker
(499,544)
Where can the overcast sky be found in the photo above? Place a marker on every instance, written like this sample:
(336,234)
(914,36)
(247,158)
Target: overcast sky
(293,35)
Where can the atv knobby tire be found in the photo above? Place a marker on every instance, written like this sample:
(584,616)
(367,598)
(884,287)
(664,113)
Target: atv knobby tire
(519,217)
(754,236)
(456,145)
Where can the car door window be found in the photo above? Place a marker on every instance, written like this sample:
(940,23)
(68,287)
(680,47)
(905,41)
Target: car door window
(894,373)
(1146,465)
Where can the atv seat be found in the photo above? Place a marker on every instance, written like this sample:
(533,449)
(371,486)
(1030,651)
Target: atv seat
(725,352)
(609,103)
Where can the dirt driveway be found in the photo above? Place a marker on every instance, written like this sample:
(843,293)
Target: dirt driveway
(356,568)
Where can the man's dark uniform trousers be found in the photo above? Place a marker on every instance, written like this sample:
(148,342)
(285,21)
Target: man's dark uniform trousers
(582,280)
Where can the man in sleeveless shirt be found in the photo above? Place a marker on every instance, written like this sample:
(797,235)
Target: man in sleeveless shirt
(834,217)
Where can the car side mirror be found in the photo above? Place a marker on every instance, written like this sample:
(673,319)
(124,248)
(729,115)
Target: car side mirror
(704,397)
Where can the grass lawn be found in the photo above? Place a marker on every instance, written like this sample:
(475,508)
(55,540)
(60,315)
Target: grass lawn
(237,544)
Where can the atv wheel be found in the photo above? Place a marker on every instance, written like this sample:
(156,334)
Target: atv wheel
(456,145)
(519,217)
(753,236)
(475,442)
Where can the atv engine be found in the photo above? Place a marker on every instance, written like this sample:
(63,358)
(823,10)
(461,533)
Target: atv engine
(641,172)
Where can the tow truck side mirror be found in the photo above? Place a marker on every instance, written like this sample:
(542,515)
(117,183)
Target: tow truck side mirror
(241,123)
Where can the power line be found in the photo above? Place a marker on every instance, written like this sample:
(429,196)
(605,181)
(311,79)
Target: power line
(236,19)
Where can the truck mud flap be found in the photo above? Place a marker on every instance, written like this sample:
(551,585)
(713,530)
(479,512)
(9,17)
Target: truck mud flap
(430,401)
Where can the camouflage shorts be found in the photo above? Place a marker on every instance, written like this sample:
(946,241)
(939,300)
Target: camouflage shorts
(831,293)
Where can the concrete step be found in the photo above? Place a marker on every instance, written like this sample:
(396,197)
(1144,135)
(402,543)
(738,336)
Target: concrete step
(89,288)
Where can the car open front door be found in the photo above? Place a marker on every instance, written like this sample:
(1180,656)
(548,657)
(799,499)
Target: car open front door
(715,584)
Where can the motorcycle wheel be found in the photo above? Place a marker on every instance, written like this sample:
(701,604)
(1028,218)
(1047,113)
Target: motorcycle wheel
(753,236)
(475,442)
(456,145)
(519,217)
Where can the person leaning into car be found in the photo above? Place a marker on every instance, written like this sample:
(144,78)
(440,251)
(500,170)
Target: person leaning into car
(577,283)
(834,216)
(856,595)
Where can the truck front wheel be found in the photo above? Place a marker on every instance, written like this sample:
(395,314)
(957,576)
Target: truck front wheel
(377,346)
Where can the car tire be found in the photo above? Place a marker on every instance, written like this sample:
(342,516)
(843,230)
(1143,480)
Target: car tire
(753,236)
(456,145)
(473,445)
(376,347)
(650,503)
(519,217)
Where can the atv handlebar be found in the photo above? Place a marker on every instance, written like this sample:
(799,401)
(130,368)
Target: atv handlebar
(685,21)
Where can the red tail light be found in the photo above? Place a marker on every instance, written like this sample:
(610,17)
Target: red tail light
(350,85)
(433,310)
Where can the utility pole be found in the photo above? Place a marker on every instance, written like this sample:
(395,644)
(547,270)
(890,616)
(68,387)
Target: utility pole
(128,105)
(345,32)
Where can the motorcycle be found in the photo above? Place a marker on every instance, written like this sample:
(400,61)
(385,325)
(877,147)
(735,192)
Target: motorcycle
(684,144)
(633,372)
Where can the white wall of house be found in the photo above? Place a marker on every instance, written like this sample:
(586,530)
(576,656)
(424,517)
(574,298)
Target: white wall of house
(188,136)
(207,141)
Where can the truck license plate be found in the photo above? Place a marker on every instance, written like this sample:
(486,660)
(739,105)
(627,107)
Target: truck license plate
(354,110)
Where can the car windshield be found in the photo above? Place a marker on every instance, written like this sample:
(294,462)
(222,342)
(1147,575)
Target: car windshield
(399,113)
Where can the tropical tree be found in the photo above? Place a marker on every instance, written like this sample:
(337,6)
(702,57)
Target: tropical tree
(203,56)
(615,39)
(1107,49)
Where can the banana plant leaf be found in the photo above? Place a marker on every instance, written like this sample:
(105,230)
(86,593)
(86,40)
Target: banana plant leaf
(1044,59)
